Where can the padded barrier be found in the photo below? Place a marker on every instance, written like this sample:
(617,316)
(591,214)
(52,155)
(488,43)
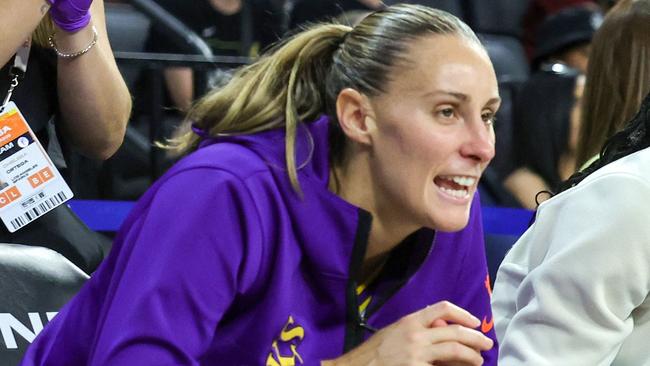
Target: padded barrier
(496,248)
(502,225)
(35,283)
(102,215)
(506,221)
(109,215)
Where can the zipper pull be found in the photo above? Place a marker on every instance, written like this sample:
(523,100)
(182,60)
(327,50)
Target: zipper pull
(363,323)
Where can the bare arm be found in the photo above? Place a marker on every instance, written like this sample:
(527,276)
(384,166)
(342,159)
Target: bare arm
(18,19)
(524,185)
(93,97)
(180,83)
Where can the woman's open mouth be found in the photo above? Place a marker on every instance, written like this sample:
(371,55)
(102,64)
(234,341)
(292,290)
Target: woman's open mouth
(456,186)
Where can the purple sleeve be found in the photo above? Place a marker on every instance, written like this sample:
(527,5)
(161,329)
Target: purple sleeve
(181,262)
(475,290)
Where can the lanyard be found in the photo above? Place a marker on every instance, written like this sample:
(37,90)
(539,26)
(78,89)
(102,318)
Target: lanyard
(18,69)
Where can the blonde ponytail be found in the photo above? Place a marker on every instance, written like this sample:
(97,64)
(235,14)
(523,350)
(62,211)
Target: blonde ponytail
(283,88)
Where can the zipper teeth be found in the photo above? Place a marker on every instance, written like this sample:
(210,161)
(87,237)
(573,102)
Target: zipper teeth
(353,333)
(379,301)
(356,323)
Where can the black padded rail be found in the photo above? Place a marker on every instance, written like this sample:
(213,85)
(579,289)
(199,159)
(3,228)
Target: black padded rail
(35,282)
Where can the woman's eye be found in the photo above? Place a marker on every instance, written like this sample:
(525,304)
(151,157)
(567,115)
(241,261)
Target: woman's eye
(489,118)
(447,112)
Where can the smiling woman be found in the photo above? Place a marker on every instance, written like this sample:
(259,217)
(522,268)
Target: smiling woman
(430,135)
(310,208)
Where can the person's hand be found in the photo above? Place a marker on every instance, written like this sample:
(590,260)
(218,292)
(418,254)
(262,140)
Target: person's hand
(70,15)
(440,334)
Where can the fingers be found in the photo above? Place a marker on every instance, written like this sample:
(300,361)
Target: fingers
(455,353)
(439,323)
(439,334)
(457,343)
(462,335)
(444,310)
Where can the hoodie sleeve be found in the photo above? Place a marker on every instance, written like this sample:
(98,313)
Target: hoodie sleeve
(474,282)
(182,260)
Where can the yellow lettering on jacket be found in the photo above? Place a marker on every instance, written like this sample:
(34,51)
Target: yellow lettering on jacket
(289,335)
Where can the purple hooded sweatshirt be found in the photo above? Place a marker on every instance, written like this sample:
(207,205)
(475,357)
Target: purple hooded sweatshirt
(222,263)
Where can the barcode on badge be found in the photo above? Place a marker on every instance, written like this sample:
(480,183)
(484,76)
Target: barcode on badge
(35,212)
(31,200)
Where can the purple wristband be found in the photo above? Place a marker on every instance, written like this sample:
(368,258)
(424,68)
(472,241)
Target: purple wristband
(71,25)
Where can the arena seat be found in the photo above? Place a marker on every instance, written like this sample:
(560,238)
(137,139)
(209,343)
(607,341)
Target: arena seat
(496,16)
(35,282)
(507,55)
(127,31)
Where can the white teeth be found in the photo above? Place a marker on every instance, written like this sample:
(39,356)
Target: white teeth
(455,193)
(464,181)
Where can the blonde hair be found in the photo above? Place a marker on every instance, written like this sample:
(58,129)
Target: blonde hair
(300,78)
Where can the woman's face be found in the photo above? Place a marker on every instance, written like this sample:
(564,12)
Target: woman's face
(434,134)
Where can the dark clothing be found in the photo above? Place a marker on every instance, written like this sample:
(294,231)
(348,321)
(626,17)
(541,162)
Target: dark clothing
(246,33)
(537,11)
(321,10)
(223,33)
(60,229)
(543,123)
(36,94)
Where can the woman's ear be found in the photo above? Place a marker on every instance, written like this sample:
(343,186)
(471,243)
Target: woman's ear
(354,112)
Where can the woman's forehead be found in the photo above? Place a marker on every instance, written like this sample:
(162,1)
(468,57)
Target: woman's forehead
(446,62)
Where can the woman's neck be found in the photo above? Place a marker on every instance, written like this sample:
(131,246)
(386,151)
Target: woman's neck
(353,182)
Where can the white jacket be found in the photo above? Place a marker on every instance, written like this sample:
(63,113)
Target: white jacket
(574,290)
